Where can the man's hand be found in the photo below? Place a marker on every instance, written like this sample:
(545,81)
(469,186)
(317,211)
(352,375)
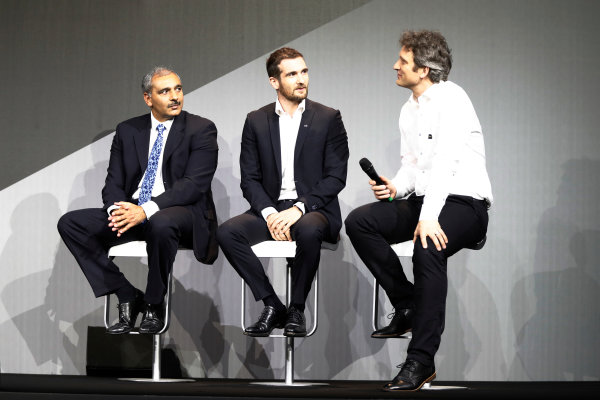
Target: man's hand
(279,224)
(125,217)
(383,192)
(434,231)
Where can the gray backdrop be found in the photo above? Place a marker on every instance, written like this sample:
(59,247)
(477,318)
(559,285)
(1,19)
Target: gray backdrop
(522,308)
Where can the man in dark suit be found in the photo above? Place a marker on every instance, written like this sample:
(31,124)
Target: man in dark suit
(293,164)
(157,189)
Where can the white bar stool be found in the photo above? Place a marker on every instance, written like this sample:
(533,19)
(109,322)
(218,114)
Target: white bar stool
(285,249)
(405,249)
(138,249)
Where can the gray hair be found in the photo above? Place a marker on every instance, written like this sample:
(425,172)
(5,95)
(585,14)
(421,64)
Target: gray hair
(147,79)
(431,50)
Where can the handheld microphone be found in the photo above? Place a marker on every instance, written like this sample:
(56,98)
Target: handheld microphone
(366,166)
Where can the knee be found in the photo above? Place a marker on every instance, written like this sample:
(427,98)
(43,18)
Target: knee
(427,257)
(225,232)
(64,222)
(355,222)
(309,234)
(160,226)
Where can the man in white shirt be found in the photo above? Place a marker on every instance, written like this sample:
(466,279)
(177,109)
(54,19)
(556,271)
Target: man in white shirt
(157,189)
(439,199)
(293,163)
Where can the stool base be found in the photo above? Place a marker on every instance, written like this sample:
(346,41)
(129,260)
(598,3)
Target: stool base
(290,384)
(160,380)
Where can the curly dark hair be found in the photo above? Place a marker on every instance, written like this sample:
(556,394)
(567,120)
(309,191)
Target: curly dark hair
(431,50)
(277,56)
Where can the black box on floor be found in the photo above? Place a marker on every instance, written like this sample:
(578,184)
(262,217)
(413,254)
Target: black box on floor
(126,355)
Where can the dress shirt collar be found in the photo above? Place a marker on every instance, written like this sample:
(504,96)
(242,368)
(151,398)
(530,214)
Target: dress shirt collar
(156,122)
(279,110)
(427,95)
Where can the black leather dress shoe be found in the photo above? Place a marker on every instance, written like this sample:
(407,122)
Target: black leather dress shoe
(152,320)
(401,323)
(269,319)
(295,324)
(128,313)
(412,376)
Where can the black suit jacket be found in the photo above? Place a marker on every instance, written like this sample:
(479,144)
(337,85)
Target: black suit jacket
(320,161)
(189,163)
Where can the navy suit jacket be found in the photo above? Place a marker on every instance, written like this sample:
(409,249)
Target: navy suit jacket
(189,163)
(320,161)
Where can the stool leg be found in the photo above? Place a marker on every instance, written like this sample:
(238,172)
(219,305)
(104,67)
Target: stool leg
(156,347)
(375,304)
(289,361)
(289,341)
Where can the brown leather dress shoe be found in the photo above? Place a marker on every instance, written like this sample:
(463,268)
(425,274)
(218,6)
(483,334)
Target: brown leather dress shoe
(412,376)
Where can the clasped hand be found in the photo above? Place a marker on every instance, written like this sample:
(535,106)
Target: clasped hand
(125,217)
(280,223)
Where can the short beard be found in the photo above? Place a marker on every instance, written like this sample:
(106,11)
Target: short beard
(294,98)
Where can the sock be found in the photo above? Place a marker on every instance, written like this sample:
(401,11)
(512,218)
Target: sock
(299,307)
(273,301)
(126,293)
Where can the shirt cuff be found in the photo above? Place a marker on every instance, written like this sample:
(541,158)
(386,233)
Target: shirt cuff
(268,211)
(112,208)
(300,205)
(150,208)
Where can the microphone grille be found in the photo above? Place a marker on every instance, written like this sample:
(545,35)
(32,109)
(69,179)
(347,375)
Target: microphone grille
(365,164)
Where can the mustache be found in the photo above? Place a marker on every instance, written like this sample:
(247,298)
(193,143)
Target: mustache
(174,103)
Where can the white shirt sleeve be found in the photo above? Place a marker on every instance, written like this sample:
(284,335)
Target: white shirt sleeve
(150,208)
(268,211)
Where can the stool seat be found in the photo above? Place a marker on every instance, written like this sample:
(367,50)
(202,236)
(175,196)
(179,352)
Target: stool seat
(136,248)
(282,249)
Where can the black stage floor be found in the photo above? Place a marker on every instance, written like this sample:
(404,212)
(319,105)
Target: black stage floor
(21,386)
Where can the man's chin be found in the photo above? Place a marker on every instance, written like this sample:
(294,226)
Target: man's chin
(298,99)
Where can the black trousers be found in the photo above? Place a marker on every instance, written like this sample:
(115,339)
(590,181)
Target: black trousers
(237,235)
(87,235)
(373,227)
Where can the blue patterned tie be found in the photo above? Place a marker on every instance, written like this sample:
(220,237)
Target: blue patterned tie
(148,183)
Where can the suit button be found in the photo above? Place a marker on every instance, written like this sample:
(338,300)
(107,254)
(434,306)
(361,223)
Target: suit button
(314,207)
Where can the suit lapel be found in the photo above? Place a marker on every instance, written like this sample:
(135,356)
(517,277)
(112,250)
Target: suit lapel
(275,138)
(142,143)
(175,137)
(303,130)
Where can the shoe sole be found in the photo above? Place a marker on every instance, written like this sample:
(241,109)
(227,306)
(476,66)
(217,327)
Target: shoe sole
(292,334)
(119,333)
(278,326)
(431,378)
(149,333)
(395,335)
(257,334)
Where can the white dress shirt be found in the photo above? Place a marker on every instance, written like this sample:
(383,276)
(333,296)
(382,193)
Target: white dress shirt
(288,133)
(150,207)
(442,149)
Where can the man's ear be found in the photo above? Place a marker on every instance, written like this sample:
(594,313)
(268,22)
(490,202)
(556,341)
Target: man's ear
(424,73)
(148,100)
(274,82)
